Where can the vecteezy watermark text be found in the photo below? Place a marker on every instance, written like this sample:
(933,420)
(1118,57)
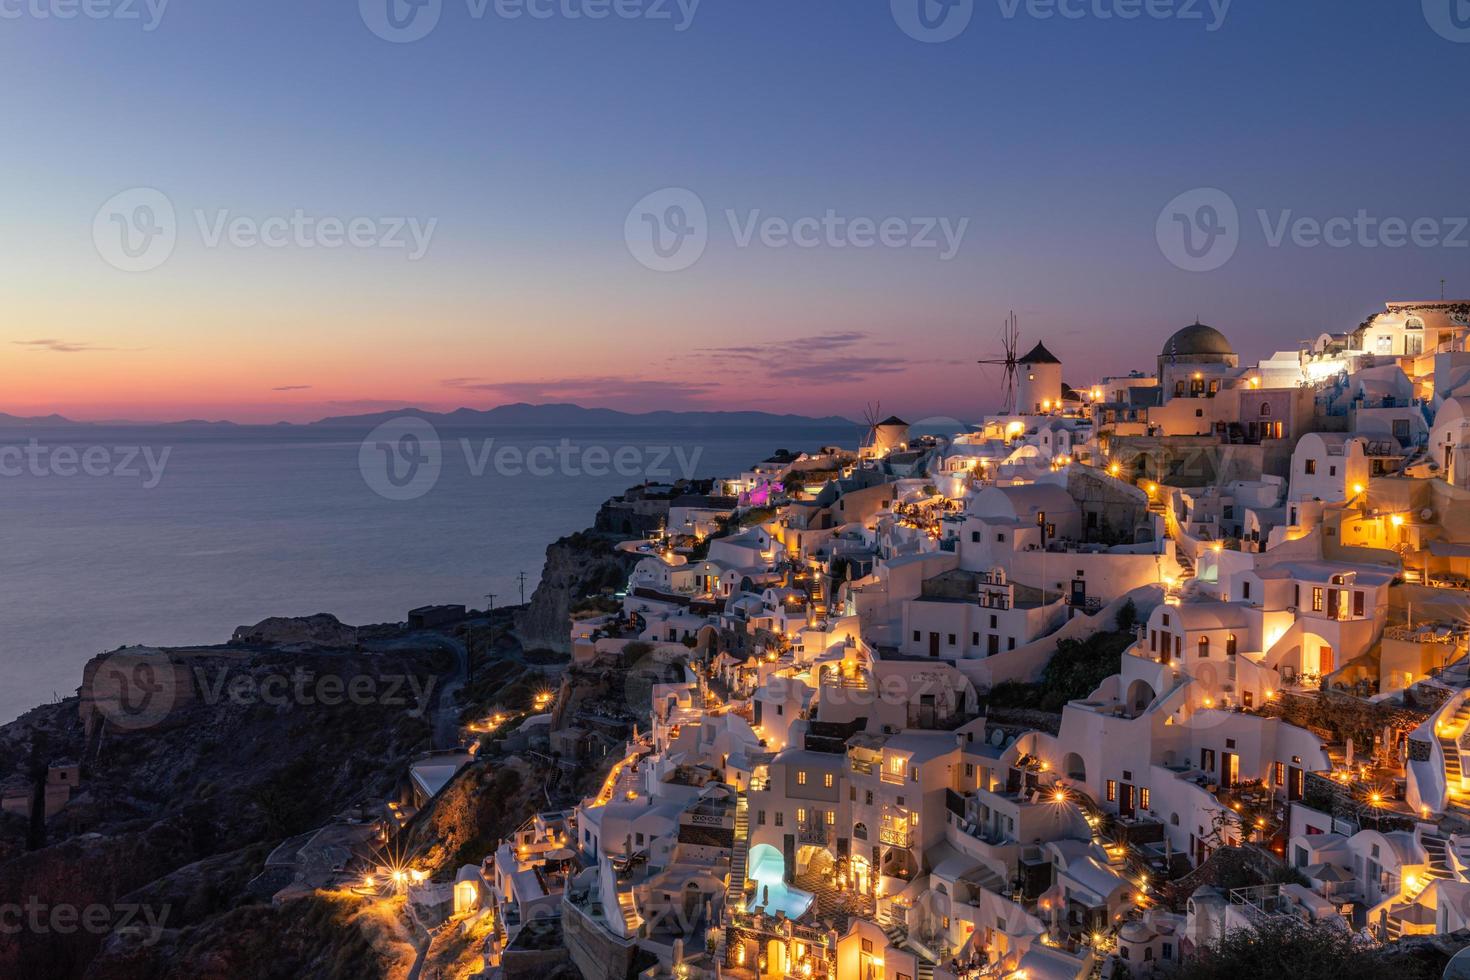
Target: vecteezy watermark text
(138,229)
(36,459)
(1200,230)
(669,230)
(403,458)
(406,21)
(937,21)
(306,689)
(64,919)
(149,13)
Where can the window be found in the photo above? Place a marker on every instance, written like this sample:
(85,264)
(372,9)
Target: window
(951,639)
(1357,603)
(1001,538)
(1204,646)
(1143,797)
(994,621)
(1332,471)
(1265,409)
(975,537)
(801,814)
(801,778)
(1112,791)
(760,818)
(1318,599)
(916,636)
(1230,645)
(1309,467)
(974,639)
(867,945)
(1207,759)
(1245,589)
(969,770)
(831,817)
(827,779)
(780,818)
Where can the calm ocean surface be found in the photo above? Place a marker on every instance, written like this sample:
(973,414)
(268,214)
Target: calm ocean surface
(282,521)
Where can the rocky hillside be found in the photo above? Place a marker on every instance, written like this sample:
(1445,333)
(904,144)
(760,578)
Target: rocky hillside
(174,812)
(578,567)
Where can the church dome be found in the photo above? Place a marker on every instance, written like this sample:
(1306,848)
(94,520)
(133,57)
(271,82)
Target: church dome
(1197,339)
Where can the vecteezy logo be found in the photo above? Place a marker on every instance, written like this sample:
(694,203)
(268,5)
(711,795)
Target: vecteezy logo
(134,689)
(136,231)
(401,459)
(401,21)
(1199,230)
(933,21)
(1449,18)
(667,231)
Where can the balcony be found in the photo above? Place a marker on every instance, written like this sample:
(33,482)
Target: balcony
(897,834)
(814,833)
(897,778)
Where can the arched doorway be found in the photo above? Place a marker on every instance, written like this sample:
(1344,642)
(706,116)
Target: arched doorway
(1141,694)
(1075,767)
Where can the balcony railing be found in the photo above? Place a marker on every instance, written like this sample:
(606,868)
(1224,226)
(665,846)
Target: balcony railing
(814,833)
(889,776)
(897,835)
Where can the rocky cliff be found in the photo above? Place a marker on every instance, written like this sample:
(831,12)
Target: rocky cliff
(144,870)
(578,567)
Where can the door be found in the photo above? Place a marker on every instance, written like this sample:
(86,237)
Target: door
(992,645)
(933,644)
(1079,593)
(1229,768)
(1293,783)
(1326,663)
(1126,804)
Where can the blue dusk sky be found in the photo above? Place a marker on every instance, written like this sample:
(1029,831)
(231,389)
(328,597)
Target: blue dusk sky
(847,204)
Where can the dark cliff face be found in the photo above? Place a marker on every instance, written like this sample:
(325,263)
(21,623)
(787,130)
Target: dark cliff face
(578,567)
(175,808)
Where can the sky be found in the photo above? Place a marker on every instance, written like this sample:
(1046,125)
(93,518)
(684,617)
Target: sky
(265,210)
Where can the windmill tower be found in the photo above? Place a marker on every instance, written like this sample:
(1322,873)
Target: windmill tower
(1010,337)
(884,434)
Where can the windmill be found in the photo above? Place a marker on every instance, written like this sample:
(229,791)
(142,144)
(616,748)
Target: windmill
(1010,337)
(872,415)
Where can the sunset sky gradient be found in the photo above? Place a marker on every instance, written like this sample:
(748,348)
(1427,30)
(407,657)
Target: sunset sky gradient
(529,141)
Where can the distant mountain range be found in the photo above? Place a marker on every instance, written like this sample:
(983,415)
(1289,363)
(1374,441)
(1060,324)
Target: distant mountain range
(517,414)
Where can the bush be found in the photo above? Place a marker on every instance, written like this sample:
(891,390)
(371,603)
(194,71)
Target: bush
(1292,950)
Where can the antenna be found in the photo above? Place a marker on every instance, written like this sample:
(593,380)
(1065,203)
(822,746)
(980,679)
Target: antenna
(1010,337)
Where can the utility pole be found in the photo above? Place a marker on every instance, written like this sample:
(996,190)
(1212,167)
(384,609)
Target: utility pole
(522,579)
(489,615)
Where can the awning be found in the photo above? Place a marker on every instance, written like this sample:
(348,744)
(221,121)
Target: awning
(1448,549)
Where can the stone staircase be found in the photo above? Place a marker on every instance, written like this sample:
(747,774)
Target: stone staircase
(1449,744)
(1440,865)
(631,919)
(735,888)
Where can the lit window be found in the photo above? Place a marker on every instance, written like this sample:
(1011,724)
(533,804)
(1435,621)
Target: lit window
(827,780)
(801,778)
(1112,791)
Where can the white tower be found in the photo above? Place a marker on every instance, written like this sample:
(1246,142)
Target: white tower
(1039,382)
